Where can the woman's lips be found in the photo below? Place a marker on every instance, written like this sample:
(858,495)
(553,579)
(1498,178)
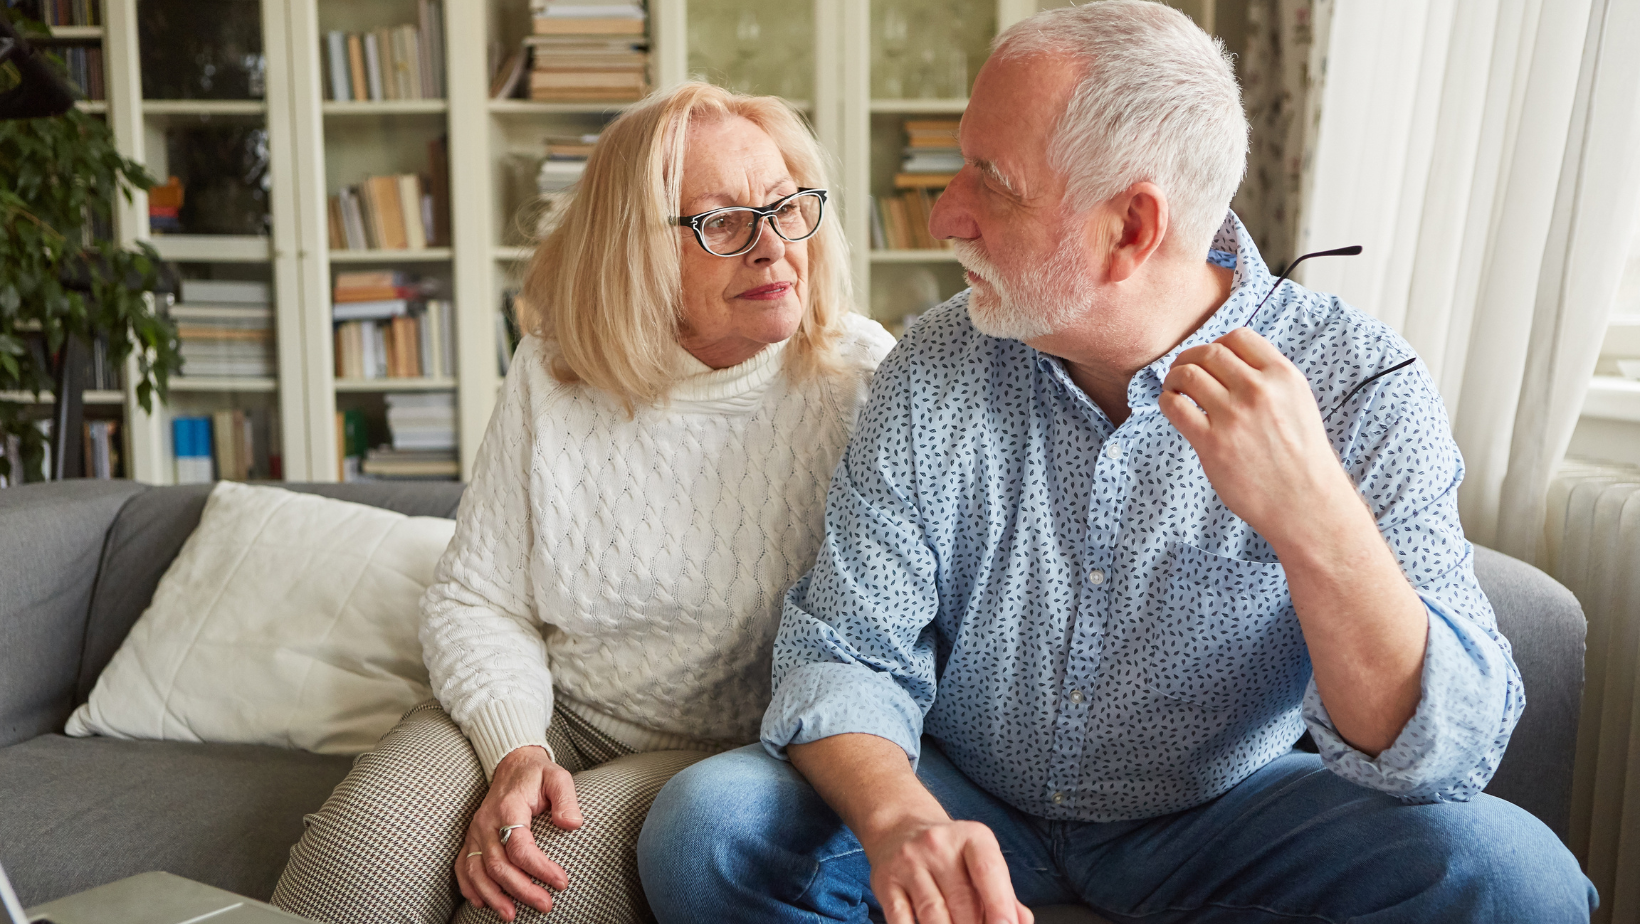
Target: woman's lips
(769,292)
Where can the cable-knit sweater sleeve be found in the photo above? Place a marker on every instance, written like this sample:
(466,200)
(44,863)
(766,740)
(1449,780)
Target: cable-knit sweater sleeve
(479,632)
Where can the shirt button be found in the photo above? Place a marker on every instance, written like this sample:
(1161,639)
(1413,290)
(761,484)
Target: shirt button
(1096,576)
(1113,450)
(1058,798)
(1076,696)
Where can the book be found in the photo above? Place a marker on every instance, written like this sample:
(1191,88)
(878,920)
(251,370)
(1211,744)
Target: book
(336,225)
(358,83)
(415,233)
(225,290)
(354,229)
(411,463)
(373,66)
(370,311)
(607,25)
(430,16)
(352,442)
(341,85)
(241,315)
(369,279)
(438,190)
(922,180)
(505,83)
(191,449)
(588,10)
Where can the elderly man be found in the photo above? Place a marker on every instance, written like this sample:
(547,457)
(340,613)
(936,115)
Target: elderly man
(1093,566)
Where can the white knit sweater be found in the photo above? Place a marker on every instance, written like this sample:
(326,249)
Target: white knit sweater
(637,565)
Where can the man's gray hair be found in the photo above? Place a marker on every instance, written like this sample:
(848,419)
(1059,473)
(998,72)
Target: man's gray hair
(1157,100)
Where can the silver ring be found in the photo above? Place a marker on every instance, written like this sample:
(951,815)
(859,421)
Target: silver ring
(507,830)
(476,853)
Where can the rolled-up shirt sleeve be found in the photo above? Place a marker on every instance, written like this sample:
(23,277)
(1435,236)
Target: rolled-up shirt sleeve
(855,649)
(1472,694)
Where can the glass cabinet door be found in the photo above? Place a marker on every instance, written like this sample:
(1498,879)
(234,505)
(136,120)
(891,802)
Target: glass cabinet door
(203,78)
(761,48)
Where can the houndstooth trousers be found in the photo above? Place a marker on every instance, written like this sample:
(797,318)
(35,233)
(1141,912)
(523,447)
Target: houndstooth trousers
(383,848)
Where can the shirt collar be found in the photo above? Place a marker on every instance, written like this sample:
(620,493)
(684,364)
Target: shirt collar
(1251,280)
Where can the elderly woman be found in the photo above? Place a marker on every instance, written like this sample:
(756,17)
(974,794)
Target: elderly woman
(652,481)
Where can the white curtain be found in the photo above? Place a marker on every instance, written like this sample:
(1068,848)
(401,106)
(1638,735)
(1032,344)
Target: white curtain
(1487,154)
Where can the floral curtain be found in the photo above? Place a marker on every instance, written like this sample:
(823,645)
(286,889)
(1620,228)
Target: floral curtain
(1281,68)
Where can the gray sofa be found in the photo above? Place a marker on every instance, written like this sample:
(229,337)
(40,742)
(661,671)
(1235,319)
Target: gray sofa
(79,562)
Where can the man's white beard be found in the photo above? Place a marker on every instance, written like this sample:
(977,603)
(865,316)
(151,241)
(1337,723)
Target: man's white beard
(1040,303)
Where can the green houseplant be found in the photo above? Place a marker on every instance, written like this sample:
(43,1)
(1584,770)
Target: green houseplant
(61,273)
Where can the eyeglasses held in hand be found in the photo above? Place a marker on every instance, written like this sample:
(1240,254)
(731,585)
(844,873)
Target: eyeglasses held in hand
(1349,251)
(732,231)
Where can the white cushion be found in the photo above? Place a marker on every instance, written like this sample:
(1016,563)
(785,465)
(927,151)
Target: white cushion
(287,619)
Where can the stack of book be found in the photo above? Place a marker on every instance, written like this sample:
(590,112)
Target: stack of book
(423,430)
(398,62)
(929,161)
(219,446)
(226,329)
(411,464)
(555,181)
(165,207)
(588,51)
(387,327)
(85,68)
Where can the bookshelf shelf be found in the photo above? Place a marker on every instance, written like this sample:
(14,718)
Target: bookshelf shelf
(213,248)
(46,397)
(204,383)
(386,107)
(77,33)
(525,107)
(425,255)
(383,385)
(93,106)
(205,107)
(513,254)
(913,256)
(919,106)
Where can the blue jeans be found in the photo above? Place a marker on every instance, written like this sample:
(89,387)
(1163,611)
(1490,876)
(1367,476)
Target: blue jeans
(743,837)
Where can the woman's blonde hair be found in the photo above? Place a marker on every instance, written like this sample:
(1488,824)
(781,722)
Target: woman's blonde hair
(605,287)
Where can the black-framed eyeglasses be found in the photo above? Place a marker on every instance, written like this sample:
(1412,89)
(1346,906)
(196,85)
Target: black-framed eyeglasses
(731,231)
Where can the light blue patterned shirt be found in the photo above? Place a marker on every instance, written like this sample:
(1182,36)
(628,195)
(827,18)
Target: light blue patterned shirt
(1071,612)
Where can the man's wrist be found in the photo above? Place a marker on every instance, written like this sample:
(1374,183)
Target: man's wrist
(1336,526)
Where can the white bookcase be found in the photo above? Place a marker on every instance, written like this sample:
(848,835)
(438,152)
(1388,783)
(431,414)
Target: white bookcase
(315,145)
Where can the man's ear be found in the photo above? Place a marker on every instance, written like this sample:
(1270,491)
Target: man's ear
(1140,218)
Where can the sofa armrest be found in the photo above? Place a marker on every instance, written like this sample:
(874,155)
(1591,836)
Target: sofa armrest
(383,847)
(51,539)
(1544,624)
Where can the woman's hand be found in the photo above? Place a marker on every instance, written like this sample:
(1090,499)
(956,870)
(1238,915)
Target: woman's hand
(494,875)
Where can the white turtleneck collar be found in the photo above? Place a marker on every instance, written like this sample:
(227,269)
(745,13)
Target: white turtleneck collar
(701,389)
